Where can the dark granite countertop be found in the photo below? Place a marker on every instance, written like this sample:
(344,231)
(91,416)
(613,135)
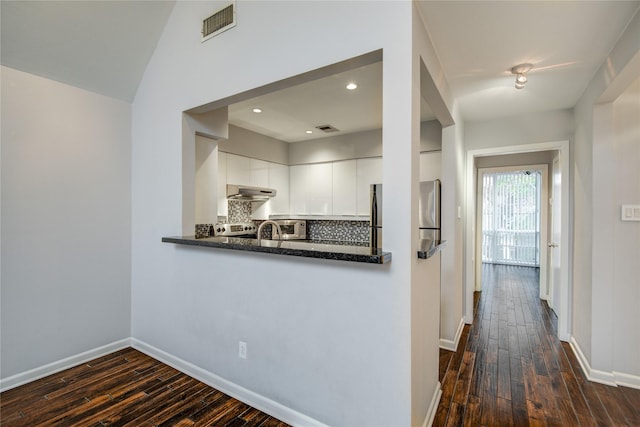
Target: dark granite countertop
(302,248)
(428,248)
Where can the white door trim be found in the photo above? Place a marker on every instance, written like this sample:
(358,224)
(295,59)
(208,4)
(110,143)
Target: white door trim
(564,303)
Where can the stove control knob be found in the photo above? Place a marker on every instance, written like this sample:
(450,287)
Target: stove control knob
(218,229)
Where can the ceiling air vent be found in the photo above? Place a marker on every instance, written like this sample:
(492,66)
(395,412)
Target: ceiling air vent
(327,128)
(220,21)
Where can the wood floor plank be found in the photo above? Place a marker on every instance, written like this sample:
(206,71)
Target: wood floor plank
(505,413)
(629,401)
(489,395)
(124,388)
(473,412)
(612,403)
(461,393)
(445,358)
(546,385)
(518,394)
(504,375)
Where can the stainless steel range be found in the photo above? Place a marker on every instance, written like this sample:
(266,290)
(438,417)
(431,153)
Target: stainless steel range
(235,230)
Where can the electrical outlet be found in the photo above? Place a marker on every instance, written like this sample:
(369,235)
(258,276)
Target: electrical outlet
(242,350)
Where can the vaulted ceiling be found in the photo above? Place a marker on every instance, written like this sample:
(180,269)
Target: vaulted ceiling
(101,46)
(104,46)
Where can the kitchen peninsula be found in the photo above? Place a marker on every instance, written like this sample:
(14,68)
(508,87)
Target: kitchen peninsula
(309,249)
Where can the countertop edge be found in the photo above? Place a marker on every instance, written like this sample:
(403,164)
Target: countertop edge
(383,258)
(432,250)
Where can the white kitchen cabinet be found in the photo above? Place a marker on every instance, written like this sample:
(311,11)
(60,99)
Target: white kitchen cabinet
(344,187)
(246,171)
(311,189)
(279,180)
(369,171)
(222,184)
(238,169)
(258,173)
(430,165)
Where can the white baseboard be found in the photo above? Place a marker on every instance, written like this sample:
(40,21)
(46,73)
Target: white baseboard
(433,406)
(60,365)
(255,400)
(609,378)
(627,380)
(452,345)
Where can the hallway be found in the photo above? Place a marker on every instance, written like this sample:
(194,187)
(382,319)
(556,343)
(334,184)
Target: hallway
(511,369)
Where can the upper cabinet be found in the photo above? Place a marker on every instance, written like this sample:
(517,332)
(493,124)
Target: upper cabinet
(279,179)
(344,187)
(234,169)
(311,189)
(338,188)
(247,171)
(369,171)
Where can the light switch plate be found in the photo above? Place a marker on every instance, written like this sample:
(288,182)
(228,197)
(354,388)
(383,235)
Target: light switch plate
(630,213)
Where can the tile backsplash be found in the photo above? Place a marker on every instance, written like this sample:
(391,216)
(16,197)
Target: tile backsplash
(239,211)
(343,231)
(356,232)
(329,230)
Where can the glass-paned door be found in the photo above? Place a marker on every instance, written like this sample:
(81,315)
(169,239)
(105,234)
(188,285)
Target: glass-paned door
(511,217)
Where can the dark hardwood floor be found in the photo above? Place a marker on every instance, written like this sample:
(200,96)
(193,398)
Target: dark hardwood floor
(125,388)
(510,369)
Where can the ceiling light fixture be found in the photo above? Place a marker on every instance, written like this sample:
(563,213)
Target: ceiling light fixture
(308,131)
(257,110)
(521,74)
(352,86)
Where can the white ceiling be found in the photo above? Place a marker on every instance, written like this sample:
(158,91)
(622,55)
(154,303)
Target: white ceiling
(478,42)
(102,46)
(288,113)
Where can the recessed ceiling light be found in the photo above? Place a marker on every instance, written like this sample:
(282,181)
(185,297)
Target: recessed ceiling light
(308,131)
(257,110)
(352,86)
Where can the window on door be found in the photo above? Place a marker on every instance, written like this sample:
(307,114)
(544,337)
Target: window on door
(511,217)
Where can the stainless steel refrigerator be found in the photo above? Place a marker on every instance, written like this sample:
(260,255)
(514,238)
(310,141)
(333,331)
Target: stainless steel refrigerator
(429,210)
(375,235)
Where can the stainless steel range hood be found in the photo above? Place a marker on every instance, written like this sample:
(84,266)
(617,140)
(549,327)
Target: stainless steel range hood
(245,192)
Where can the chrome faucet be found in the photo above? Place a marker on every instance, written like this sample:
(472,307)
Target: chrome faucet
(278,230)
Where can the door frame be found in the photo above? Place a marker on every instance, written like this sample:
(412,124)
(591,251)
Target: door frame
(564,304)
(543,217)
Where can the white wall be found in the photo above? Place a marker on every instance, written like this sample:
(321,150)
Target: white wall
(247,143)
(323,337)
(625,235)
(356,145)
(66,221)
(451,288)
(546,126)
(603,170)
